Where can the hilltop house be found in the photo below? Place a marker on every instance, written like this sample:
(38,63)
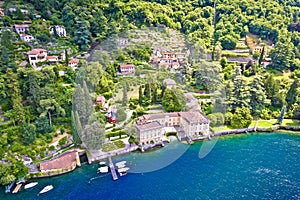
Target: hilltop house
(36,55)
(21,28)
(73,63)
(26,37)
(52,59)
(60,30)
(126,69)
(122,42)
(150,127)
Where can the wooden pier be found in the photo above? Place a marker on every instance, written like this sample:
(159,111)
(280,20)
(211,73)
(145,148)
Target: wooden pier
(112,169)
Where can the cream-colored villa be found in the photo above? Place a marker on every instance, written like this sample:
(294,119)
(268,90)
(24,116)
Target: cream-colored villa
(150,128)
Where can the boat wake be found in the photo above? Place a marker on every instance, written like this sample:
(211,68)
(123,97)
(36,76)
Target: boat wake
(96,177)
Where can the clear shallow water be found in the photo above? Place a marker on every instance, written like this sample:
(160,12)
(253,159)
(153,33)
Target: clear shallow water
(260,166)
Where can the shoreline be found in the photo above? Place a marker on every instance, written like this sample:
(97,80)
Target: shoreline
(219,134)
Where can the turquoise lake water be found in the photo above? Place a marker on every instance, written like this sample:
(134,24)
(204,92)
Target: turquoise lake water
(253,166)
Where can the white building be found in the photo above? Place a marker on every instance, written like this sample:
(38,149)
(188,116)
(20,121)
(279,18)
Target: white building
(126,69)
(73,63)
(60,30)
(21,28)
(36,55)
(26,37)
(150,127)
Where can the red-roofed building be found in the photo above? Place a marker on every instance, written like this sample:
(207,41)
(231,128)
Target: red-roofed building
(101,100)
(52,59)
(126,69)
(36,55)
(26,37)
(73,63)
(21,28)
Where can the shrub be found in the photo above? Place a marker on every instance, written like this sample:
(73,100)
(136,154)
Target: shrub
(228,118)
(51,148)
(213,120)
(62,141)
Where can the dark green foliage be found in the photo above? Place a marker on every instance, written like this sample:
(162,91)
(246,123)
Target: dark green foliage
(281,116)
(121,115)
(241,118)
(43,125)
(293,93)
(82,35)
(124,99)
(28,133)
(173,100)
(257,96)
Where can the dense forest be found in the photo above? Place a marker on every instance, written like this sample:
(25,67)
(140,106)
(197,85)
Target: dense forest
(39,102)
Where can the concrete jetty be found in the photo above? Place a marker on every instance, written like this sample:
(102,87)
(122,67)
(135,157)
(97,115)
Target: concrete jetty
(112,169)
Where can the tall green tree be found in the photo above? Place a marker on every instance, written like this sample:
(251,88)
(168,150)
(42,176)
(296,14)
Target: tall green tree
(281,116)
(93,136)
(240,95)
(82,35)
(257,96)
(293,93)
(283,54)
(140,95)
(124,99)
(28,133)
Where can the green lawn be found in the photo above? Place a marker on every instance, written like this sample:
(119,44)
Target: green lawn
(264,124)
(113,146)
(290,122)
(221,128)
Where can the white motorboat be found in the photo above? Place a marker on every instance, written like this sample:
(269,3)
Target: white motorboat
(120,164)
(30,185)
(103,169)
(102,163)
(123,171)
(46,189)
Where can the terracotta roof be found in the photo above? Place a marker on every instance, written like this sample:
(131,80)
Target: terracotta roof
(21,26)
(194,117)
(149,126)
(41,55)
(36,51)
(74,61)
(124,66)
(59,163)
(52,57)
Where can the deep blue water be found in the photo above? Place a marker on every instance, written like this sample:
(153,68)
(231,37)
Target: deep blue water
(253,166)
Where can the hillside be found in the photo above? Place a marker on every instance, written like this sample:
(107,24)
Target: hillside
(241,60)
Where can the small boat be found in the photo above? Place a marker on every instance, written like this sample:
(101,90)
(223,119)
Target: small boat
(120,164)
(46,189)
(30,185)
(17,188)
(123,171)
(8,187)
(102,163)
(103,169)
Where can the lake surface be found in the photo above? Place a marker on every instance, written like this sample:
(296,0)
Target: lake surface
(252,166)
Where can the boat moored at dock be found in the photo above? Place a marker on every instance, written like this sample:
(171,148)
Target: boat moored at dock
(30,185)
(123,171)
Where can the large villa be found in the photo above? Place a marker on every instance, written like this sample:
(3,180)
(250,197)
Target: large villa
(151,128)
